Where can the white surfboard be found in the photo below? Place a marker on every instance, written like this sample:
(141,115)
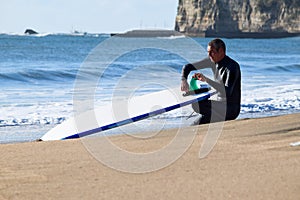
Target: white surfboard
(124,112)
(295,144)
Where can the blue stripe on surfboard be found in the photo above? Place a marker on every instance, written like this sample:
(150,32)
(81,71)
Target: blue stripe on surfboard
(138,118)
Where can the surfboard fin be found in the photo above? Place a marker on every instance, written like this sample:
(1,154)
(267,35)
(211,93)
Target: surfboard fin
(190,115)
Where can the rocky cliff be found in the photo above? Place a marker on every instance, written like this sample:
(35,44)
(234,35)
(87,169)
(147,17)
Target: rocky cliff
(238,18)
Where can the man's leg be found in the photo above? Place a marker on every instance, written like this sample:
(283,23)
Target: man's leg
(211,111)
(203,108)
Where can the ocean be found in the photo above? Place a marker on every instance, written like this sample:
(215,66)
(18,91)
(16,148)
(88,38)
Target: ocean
(41,76)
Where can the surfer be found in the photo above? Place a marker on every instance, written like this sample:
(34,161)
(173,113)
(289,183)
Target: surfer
(227,82)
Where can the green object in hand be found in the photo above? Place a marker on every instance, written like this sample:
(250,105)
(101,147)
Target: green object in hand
(193,84)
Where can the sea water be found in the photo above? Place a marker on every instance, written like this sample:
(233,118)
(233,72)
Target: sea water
(38,76)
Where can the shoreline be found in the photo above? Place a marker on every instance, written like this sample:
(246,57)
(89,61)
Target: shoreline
(252,159)
(19,137)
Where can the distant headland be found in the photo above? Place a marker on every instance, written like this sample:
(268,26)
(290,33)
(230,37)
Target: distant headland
(148,33)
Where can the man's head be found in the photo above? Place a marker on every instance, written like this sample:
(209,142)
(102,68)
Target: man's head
(216,50)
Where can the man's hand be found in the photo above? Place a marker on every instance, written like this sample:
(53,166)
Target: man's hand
(199,77)
(184,86)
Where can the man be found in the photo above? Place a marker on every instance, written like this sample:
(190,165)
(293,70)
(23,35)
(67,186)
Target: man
(227,82)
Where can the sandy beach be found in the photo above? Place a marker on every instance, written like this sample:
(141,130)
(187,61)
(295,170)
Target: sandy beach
(252,159)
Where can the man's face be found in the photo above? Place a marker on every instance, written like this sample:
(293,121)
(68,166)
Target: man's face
(214,55)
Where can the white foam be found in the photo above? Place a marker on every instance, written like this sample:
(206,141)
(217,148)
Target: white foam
(34,114)
(267,97)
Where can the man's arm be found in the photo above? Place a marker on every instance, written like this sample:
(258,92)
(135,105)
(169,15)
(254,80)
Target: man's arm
(186,69)
(230,79)
(205,63)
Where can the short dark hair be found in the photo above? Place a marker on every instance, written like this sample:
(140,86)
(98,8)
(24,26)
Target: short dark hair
(217,44)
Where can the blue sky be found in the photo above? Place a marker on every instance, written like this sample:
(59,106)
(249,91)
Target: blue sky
(94,16)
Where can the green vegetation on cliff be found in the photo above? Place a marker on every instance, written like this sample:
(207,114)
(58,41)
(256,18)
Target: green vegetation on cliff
(268,5)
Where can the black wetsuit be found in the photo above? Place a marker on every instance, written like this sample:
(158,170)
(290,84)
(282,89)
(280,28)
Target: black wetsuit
(227,82)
